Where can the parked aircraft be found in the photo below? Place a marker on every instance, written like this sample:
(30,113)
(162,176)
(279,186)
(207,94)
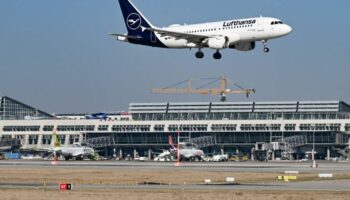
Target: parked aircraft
(78,151)
(187,151)
(101,116)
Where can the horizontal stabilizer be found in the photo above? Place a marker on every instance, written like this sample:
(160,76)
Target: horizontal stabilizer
(123,36)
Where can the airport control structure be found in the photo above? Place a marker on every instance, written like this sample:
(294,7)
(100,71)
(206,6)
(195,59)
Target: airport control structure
(280,130)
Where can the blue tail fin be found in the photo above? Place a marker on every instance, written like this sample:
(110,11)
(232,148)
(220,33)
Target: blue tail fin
(135,22)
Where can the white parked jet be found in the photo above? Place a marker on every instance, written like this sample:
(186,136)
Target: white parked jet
(187,151)
(77,151)
(239,34)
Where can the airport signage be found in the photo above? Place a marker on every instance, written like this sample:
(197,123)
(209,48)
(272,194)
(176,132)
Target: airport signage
(325,175)
(291,172)
(287,178)
(65,186)
(207,181)
(230,179)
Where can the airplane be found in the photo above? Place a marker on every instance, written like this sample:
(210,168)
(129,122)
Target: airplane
(101,116)
(9,144)
(239,34)
(78,151)
(28,117)
(187,151)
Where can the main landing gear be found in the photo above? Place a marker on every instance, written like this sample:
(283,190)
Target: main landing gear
(266,49)
(217,55)
(199,54)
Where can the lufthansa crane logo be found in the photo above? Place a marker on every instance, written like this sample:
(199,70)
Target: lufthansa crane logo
(133,21)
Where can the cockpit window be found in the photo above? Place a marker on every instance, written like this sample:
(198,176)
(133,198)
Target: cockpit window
(276,22)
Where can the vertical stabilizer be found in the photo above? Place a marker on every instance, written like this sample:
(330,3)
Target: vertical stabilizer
(56,142)
(171,142)
(135,22)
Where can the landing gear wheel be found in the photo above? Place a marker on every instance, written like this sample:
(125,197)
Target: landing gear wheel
(266,50)
(199,54)
(217,55)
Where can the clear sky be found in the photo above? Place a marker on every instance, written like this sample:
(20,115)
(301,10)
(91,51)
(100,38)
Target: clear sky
(56,55)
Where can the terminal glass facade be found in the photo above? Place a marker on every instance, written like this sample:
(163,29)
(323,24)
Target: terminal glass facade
(11,109)
(301,110)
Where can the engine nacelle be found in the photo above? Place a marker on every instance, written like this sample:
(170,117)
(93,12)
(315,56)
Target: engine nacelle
(247,46)
(218,42)
(233,39)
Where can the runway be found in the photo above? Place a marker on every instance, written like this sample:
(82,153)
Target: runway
(270,167)
(335,185)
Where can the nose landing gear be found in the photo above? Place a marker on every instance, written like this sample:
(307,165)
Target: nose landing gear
(266,49)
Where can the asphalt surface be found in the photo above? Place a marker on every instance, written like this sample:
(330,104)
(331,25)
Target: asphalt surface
(271,167)
(335,185)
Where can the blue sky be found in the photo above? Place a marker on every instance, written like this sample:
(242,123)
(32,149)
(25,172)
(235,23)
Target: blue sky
(56,55)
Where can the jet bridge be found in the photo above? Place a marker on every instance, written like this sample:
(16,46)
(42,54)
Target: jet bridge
(284,146)
(203,142)
(100,142)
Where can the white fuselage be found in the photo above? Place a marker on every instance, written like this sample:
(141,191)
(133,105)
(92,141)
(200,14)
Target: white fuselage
(75,151)
(261,30)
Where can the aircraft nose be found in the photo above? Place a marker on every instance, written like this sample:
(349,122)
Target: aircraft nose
(287,29)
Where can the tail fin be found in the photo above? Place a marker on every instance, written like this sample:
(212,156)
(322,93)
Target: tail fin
(56,141)
(171,142)
(135,22)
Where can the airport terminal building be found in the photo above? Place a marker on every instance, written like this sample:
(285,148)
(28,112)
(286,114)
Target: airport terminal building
(285,130)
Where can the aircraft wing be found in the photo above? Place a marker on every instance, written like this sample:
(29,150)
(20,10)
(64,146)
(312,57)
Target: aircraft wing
(50,149)
(195,38)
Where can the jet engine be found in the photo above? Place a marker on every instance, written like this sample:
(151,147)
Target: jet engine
(233,39)
(247,46)
(219,42)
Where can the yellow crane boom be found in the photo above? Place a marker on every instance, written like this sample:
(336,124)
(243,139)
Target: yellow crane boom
(223,90)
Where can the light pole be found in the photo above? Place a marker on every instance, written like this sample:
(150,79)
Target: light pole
(314,165)
(177,164)
(313,146)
